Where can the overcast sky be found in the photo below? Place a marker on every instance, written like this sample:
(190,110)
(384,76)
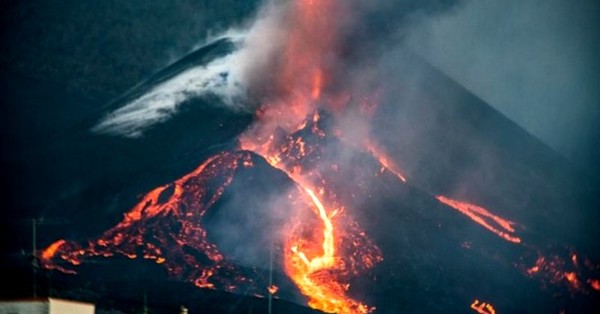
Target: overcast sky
(536,61)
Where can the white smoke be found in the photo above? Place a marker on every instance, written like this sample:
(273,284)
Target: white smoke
(226,77)
(163,101)
(234,76)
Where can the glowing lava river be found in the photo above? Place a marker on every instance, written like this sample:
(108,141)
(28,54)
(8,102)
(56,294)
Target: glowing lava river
(297,133)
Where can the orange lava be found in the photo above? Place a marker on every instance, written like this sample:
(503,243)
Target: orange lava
(540,263)
(595,284)
(384,160)
(311,38)
(571,277)
(49,252)
(322,247)
(314,262)
(272,289)
(301,79)
(504,228)
(309,267)
(482,307)
(140,234)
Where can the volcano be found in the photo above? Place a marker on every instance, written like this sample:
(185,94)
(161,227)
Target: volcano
(482,217)
(416,197)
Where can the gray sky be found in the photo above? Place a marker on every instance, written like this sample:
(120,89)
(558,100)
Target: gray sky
(536,61)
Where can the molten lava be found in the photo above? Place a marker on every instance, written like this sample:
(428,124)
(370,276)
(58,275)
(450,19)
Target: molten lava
(323,246)
(564,269)
(482,307)
(384,160)
(316,264)
(321,254)
(312,268)
(148,229)
(504,228)
(595,284)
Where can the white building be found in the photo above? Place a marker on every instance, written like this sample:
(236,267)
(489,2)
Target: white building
(45,306)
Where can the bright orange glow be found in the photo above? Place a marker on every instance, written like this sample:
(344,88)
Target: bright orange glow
(571,277)
(272,289)
(558,270)
(325,260)
(533,270)
(385,160)
(311,268)
(186,200)
(595,284)
(482,307)
(483,217)
(323,247)
(317,85)
(49,252)
(313,263)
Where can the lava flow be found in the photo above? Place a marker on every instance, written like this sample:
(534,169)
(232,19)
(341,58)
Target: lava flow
(316,269)
(322,263)
(312,267)
(166,226)
(482,307)
(321,253)
(324,248)
(483,217)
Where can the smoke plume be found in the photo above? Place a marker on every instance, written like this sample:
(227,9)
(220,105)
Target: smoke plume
(351,38)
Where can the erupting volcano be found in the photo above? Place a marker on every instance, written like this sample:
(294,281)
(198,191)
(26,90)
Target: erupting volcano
(328,250)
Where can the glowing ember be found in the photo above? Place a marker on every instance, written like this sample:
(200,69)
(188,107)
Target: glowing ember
(314,269)
(571,277)
(49,252)
(595,284)
(483,217)
(538,263)
(323,247)
(564,271)
(316,264)
(385,161)
(272,289)
(482,307)
(185,201)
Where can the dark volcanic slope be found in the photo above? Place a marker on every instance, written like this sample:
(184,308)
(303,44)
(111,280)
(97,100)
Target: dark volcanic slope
(199,57)
(78,183)
(57,166)
(450,142)
(446,140)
